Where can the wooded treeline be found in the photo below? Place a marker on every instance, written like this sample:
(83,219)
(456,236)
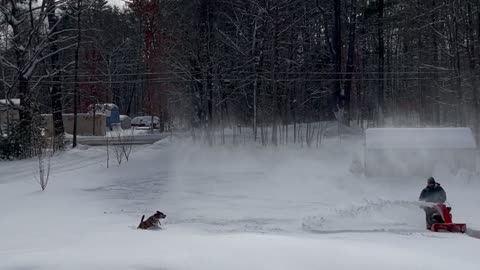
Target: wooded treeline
(213,64)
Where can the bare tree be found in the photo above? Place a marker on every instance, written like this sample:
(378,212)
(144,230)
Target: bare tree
(33,38)
(279,68)
(75,88)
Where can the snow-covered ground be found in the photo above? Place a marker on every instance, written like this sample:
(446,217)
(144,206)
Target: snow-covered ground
(227,208)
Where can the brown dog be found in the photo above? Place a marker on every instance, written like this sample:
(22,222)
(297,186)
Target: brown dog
(153,222)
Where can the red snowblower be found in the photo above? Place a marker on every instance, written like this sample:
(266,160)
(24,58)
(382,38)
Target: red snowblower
(443,220)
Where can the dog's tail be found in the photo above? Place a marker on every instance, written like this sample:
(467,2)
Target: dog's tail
(141,222)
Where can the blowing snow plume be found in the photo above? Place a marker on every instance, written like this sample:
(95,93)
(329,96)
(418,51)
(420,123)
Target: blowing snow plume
(400,152)
(373,216)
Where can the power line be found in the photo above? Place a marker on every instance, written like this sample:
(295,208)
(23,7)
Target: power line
(249,73)
(176,80)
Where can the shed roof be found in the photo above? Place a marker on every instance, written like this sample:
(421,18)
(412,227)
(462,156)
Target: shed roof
(423,138)
(15,101)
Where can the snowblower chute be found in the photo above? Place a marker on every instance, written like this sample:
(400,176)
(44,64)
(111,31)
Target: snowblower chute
(443,220)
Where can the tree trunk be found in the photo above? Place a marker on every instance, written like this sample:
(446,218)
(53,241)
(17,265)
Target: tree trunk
(436,91)
(55,89)
(455,59)
(473,65)
(350,55)
(422,109)
(255,108)
(381,62)
(339,94)
(25,128)
(273,78)
(75,88)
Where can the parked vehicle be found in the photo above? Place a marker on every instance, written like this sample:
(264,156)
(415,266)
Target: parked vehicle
(146,121)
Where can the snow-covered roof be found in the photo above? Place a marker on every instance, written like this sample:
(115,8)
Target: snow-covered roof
(147,120)
(103,106)
(110,106)
(423,138)
(15,101)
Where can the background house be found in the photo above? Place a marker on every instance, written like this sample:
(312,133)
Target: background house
(111,112)
(87,124)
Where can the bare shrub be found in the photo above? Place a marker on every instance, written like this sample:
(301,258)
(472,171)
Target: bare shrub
(128,144)
(121,143)
(44,150)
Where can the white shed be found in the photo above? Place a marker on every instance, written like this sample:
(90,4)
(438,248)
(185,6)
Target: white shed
(417,151)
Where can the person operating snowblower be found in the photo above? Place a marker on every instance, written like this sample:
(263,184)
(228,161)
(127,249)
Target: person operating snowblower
(432,193)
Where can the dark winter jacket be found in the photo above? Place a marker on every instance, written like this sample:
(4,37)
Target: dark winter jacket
(433,195)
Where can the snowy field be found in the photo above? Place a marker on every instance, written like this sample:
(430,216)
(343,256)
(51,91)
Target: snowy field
(227,208)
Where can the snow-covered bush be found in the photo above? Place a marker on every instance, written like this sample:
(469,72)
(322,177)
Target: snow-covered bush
(18,141)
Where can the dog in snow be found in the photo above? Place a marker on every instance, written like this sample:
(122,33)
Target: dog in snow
(153,222)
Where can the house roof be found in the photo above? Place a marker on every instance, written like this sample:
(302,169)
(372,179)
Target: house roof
(15,101)
(419,138)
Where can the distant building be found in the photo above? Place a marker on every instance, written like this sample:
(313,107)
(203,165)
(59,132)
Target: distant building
(87,124)
(111,112)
